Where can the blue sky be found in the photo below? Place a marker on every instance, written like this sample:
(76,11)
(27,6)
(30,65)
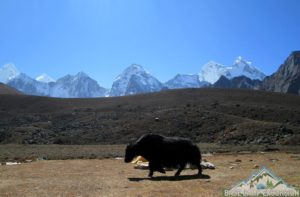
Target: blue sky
(103,37)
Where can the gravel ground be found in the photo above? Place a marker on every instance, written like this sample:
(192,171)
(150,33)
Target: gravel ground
(113,177)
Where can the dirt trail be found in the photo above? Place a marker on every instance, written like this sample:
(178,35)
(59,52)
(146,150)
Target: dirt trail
(111,177)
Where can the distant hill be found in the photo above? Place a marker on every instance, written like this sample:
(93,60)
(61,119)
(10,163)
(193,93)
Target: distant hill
(230,116)
(4,89)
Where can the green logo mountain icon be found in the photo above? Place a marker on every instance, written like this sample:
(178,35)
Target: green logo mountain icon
(262,183)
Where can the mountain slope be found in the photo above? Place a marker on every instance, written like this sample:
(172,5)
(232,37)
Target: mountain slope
(135,80)
(204,115)
(4,89)
(287,78)
(185,81)
(242,82)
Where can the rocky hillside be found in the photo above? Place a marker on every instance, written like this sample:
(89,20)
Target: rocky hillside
(203,115)
(4,89)
(287,78)
(238,82)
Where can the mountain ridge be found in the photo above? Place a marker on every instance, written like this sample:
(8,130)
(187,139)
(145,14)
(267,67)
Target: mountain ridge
(69,86)
(287,78)
(136,80)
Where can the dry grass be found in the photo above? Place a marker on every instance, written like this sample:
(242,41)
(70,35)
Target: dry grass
(21,152)
(110,177)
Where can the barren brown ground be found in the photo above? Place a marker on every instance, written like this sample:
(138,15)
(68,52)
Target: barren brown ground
(112,177)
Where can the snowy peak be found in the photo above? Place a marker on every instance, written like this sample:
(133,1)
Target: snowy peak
(213,65)
(8,72)
(133,69)
(245,68)
(212,71)
(240,60)
(134,80)
(44,78)
(81,75)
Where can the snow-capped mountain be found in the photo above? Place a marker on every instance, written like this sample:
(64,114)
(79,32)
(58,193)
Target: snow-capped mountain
(44,78)
(135,80)
(185,81)
(29,86)
(8,72)
(212,71)
(242,67)
(76,86)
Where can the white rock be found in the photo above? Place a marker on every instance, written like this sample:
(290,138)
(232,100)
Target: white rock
(208,165)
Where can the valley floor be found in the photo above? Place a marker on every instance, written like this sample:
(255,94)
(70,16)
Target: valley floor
(113,177)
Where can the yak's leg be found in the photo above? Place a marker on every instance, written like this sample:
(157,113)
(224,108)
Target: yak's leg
(150,173)
(199,168)
(181,167)
(198,165)
(151,169)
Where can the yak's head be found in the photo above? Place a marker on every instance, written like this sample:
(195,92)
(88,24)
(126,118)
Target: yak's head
(131,152)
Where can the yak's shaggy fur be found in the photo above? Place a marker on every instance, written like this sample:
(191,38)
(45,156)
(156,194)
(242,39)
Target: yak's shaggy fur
(160,151)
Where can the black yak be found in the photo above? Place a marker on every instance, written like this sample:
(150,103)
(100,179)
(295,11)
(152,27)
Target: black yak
(160,151)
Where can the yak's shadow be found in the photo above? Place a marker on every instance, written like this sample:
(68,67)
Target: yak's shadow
(172,178)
